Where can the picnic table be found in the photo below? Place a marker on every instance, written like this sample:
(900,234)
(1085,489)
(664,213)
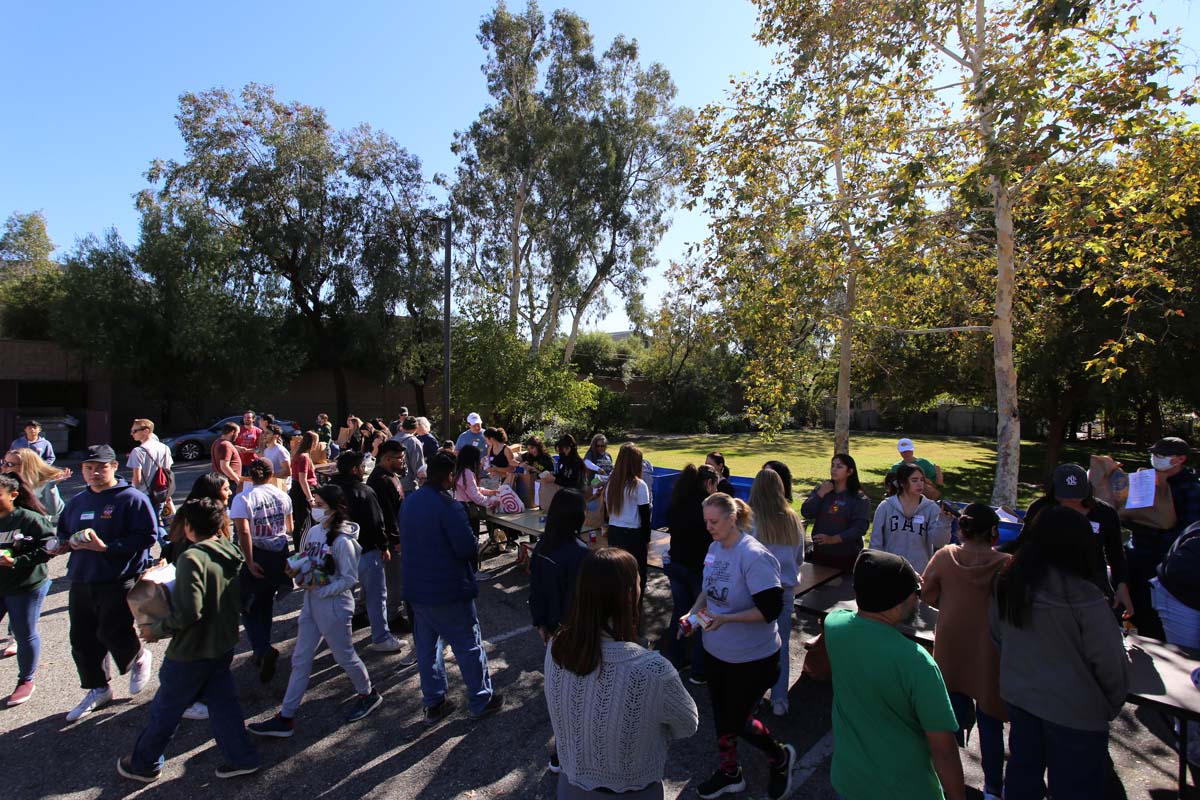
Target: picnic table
(531,523)
(838,593)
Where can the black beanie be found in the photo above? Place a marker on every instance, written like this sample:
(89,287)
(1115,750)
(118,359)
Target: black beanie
(882,580)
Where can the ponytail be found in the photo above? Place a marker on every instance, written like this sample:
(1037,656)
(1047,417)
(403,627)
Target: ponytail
(732,506)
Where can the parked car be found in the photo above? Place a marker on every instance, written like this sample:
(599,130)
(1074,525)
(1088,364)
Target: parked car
(198,443)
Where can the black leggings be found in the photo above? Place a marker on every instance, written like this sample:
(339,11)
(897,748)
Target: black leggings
(300,513)
(635,542)
(735,689)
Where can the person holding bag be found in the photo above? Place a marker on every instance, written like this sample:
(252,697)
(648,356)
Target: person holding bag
(24,579)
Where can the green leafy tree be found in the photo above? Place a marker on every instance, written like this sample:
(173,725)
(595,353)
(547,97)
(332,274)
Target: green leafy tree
(565,179)
(313,210)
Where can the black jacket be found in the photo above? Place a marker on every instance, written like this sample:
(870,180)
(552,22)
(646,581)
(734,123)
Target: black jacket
(1109,549)
(552,582)
(1179,572)
(386,487)
(689,535)
(364,510)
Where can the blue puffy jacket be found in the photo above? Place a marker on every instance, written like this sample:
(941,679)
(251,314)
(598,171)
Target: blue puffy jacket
(438,549)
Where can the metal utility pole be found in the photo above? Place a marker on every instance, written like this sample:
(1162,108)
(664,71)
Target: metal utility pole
(446,335)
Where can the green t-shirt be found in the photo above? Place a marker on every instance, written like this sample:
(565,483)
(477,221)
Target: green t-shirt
(28,571)
(924,463)
(887,692)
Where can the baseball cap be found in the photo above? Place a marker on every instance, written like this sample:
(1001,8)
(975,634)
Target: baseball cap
(1171,446)
(905,444)
(882,580)
(474,419)
(403,411)
(1070,482)
(100,452)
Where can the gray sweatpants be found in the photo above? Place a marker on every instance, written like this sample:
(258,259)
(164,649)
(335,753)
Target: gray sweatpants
(327,619)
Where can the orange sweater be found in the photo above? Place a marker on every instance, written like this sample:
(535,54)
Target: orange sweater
(963,646)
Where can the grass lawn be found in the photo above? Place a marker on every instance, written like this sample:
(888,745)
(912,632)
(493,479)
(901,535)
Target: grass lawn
(968,463)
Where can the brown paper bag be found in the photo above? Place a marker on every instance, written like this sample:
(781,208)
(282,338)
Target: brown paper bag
(150,598)
(1161,515)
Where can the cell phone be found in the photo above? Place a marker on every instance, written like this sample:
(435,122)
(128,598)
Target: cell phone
(949,509)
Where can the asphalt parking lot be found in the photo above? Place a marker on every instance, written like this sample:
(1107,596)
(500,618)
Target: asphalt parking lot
(391,754)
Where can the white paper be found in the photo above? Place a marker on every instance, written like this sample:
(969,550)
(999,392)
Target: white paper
(1141,489)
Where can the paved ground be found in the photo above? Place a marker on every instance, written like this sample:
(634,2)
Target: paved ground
(391,754)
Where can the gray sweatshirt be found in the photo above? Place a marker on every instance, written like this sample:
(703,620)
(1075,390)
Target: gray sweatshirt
(1068,665)
(917,537)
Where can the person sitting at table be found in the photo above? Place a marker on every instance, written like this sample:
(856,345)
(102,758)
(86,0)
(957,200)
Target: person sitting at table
(892,719)
(840,514)
(568,473)
(1064,673)
(501,461)
(614,705)
(554,563)
(717,462)
(628,500)
(958,582)
(908,523)
(785,474)
(596,459)
(778,527)
(534,461)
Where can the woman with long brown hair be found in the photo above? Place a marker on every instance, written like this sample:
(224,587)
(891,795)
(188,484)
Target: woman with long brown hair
(631,698)
(777,526)
(304,480)
(628,501)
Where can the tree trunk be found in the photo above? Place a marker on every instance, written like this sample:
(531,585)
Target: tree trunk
(514,235)
(841,425)
(1008,418)
(1056,436)
(419,402)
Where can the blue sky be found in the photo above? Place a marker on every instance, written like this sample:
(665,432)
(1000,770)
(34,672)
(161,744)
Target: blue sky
(91,89)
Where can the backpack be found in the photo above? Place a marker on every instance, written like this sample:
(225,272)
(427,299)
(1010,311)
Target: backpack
(160,483)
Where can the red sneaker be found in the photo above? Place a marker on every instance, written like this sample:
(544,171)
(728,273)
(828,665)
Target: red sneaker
(22,693)
(10,650)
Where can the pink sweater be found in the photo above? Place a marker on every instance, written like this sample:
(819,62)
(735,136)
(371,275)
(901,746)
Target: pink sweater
(466,490)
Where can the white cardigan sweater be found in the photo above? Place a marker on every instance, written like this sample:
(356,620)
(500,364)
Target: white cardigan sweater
(613,726)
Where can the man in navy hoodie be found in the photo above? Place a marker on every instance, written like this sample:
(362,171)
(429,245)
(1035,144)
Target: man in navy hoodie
(108,529)
(440,550)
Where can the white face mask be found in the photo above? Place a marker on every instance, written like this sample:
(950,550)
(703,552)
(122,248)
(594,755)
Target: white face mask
(1160,463)
(319,514)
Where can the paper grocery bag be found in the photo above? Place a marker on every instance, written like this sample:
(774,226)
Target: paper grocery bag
(150,598)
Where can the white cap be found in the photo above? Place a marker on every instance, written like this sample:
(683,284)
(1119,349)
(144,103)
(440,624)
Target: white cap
(474,419)
(905,445)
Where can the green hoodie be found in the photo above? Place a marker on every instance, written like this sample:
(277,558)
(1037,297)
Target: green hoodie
(204,603)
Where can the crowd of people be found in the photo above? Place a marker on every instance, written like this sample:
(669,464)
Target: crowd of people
(1029,637)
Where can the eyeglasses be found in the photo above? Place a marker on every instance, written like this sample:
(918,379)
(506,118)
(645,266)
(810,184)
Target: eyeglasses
(13,464)
(137,430)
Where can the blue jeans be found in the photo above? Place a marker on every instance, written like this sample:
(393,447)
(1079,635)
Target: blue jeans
(991,739)
(1180,621)
(23,610)
(457,625)
(374,588)
(1074,761)
(258,598)
(685,588)
(779,692)
(181,683)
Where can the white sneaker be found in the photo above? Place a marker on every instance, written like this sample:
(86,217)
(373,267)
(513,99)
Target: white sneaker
(196,711)
(139,676)
(95,698)
(389,645)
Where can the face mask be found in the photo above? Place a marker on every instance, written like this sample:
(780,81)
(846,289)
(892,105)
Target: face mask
(1160,463)
(319,514)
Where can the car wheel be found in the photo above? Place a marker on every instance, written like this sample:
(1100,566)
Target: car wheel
(190,451)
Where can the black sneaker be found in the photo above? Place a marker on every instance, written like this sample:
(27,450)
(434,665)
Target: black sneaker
(435,714)
(555,767)
(780,783)
(266,669)
(363,705)
(125,770)
(721,783)
(230,771)
(277,727)
(493,705)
